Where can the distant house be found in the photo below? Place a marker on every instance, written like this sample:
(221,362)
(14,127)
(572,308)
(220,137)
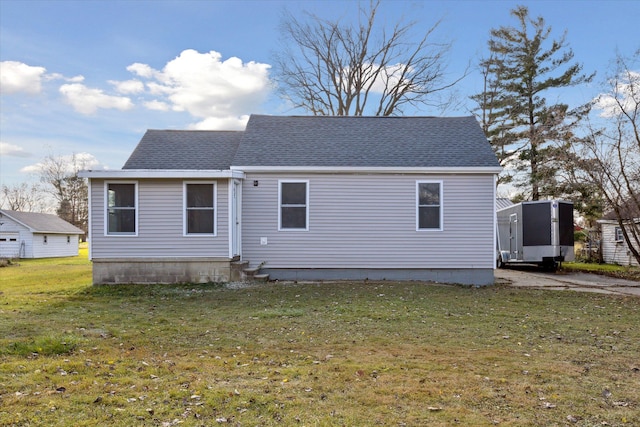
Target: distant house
(300,198)
(613,245)
(36,235)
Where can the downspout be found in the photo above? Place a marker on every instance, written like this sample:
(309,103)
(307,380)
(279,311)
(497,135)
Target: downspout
(89,222)
(495,222)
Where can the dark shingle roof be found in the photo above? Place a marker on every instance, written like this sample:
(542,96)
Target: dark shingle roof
(42,223)
(320,141)
(350,141)
(184,149)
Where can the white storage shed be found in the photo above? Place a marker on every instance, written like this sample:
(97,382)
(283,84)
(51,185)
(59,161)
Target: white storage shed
(36,235)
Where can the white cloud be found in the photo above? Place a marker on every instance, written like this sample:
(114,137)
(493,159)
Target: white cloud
(82,160)
(58,76)
(218,92)
(157,105)
(626,95)
(11,150)
(86,100)
(227,123)
(128,86)
(142,70)
(19,77)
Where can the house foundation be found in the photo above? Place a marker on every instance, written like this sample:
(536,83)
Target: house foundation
(161,270)
(474,277)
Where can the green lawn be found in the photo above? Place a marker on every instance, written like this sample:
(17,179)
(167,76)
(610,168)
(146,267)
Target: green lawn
(622,272)
(350,354)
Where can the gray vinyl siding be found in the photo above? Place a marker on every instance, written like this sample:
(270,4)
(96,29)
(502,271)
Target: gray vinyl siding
(369,221)
(160,223)
(614,252)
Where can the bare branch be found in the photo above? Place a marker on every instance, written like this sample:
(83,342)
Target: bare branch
(329,68)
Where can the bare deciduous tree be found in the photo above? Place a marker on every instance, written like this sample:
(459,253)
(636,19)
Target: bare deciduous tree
(21,197)
(609,156)
(60,174)
(329,68)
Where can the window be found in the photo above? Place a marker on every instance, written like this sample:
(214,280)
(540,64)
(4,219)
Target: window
(429,201)
(200,208)
(619,237)
(121,215)
(294,203)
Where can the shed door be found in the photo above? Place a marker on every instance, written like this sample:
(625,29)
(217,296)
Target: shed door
(9,245)
(513,236)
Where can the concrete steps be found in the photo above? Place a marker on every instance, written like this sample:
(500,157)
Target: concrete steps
(241,272)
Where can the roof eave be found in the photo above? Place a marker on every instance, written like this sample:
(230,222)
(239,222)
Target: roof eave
(78,232)
(31,229)
(38,231)
(161,173)
(372,169)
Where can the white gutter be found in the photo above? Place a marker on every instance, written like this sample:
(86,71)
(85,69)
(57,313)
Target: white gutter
(161,173)
(368,169)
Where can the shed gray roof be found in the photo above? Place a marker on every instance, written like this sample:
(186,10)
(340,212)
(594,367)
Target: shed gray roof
(42,223)
(356,141)
(184,149)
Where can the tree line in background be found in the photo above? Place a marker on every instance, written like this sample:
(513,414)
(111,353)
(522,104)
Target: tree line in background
(589,154)
(59,186)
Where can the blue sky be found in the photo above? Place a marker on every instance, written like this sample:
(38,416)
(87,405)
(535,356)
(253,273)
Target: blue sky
(89,77)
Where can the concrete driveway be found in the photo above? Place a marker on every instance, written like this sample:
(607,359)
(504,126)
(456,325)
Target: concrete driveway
(530,277)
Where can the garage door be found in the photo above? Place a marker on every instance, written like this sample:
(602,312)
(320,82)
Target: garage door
(9,245)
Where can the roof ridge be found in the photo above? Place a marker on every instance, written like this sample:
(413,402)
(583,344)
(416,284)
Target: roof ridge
(360,117)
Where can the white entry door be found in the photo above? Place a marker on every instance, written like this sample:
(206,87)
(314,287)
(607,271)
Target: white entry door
(236,218)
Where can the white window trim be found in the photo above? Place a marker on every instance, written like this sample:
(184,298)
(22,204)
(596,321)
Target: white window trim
(105,209)
(617,229)
(292,181)
(184,210)
(441,184)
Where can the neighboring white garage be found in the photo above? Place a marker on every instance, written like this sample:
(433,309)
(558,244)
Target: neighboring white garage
(36,235)
(9,245)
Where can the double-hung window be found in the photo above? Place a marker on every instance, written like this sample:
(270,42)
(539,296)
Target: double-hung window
(293,199)
(429,205)
(200,209)
(618,234)
(121,212)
